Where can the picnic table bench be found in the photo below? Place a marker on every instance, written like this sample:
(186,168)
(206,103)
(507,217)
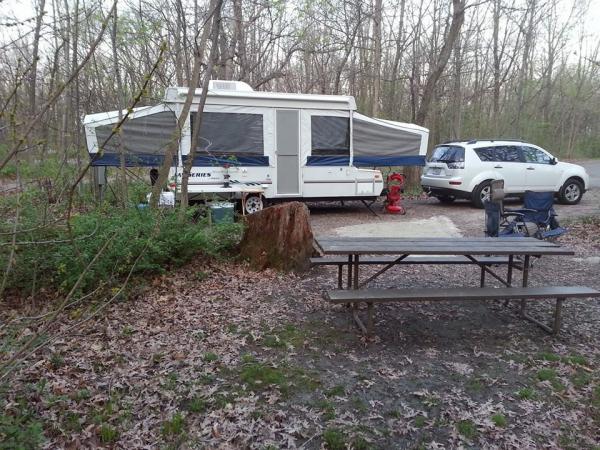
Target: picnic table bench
(483,252)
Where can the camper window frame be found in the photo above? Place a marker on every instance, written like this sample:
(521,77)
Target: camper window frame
(322,150)
(223,153)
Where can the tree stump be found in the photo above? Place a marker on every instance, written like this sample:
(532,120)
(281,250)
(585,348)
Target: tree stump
(279,237)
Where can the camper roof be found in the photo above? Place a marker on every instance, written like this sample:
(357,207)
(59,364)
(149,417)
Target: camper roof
(239,93)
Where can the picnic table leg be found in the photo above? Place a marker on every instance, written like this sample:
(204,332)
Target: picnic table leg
(349,271)
(340,276)
(555,329)
(370,319)
(525,281)
(482,280)
(509,275)
(557,316)
(355,272)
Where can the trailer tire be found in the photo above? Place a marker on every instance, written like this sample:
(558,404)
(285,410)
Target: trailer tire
(253,203)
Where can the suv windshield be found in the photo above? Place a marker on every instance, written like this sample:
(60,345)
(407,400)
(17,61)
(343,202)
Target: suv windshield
(448,154)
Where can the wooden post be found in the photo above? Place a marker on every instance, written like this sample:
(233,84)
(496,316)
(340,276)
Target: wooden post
(99,180)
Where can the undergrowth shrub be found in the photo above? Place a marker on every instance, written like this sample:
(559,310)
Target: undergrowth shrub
(20,429)
(52,257)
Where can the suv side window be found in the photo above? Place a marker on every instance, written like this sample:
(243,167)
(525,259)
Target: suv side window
(509,153)
(533,155)
(486,153)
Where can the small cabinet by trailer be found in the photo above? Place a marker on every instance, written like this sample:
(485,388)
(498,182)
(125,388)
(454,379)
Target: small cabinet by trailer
(266,144)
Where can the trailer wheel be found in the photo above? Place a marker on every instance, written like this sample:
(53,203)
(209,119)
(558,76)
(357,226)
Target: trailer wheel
(253,203)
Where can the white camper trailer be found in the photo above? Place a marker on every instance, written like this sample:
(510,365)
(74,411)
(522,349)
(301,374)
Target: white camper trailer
(262,145)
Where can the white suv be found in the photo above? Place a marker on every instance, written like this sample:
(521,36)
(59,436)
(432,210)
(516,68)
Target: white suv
(464,169)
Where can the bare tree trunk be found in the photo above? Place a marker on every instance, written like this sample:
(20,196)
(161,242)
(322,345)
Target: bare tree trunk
(120,102)
(458,17)
(392,105)
(35,56)
(497,80)
(187,168)
(376,77)
(523,73)
(163,172)
(457,91)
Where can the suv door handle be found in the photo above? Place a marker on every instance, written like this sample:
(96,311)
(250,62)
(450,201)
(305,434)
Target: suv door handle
(497,167)
(531,168)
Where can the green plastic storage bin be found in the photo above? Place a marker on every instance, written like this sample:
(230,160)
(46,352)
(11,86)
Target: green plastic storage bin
(222,212)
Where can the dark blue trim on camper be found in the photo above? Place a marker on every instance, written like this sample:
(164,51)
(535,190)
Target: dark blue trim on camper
(151,160)
(131,159)
(328,161)
(366,161)
(246,161)
(385,161)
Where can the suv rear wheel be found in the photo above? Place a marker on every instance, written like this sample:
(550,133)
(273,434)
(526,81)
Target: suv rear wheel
(481,193)
(571,192)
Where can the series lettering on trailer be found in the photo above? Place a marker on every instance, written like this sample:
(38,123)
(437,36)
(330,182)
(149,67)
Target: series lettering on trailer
(197,175)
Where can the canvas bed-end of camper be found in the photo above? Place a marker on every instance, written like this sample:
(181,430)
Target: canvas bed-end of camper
(255,145)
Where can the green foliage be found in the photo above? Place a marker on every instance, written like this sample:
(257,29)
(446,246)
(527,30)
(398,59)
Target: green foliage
(336,391)
(210,357)
(327,408)
(284,337)
(420,421)
(108,434)
(360,444)
(20,429)
(499,420)
(546,374)
(196,404)
(526,393)
(173,426)
(581,379)
(576,360)
(334,439)
(56,259)
(467,429)
(258,375)
(547,356)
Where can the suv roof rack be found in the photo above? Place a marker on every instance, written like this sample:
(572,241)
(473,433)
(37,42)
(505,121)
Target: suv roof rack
(473,141)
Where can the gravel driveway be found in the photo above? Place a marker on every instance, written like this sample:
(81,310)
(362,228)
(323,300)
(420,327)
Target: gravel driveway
(331,218)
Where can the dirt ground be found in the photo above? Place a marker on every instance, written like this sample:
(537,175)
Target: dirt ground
(217,356)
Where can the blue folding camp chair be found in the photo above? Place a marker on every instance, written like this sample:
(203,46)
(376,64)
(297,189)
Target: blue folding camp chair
(537,218)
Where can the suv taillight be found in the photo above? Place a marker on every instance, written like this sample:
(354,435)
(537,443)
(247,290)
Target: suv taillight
(456,165)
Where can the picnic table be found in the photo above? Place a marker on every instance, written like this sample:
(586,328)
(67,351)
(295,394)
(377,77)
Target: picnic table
(485,252)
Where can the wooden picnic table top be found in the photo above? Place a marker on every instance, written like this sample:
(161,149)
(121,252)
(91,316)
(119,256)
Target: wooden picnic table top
(336,245)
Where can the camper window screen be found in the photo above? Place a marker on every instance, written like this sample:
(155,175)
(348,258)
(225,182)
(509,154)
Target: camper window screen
(230,134)
(330,136)
(149,134)
(373,138)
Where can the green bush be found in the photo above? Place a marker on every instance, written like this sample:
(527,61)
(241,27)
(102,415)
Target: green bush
(20,431)
(57,258)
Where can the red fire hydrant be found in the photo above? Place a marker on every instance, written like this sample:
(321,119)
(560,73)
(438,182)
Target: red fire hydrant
(394,195)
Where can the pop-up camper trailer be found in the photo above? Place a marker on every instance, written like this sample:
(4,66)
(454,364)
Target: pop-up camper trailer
(267,144)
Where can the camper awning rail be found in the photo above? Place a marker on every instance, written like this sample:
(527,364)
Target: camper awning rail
(178,95)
